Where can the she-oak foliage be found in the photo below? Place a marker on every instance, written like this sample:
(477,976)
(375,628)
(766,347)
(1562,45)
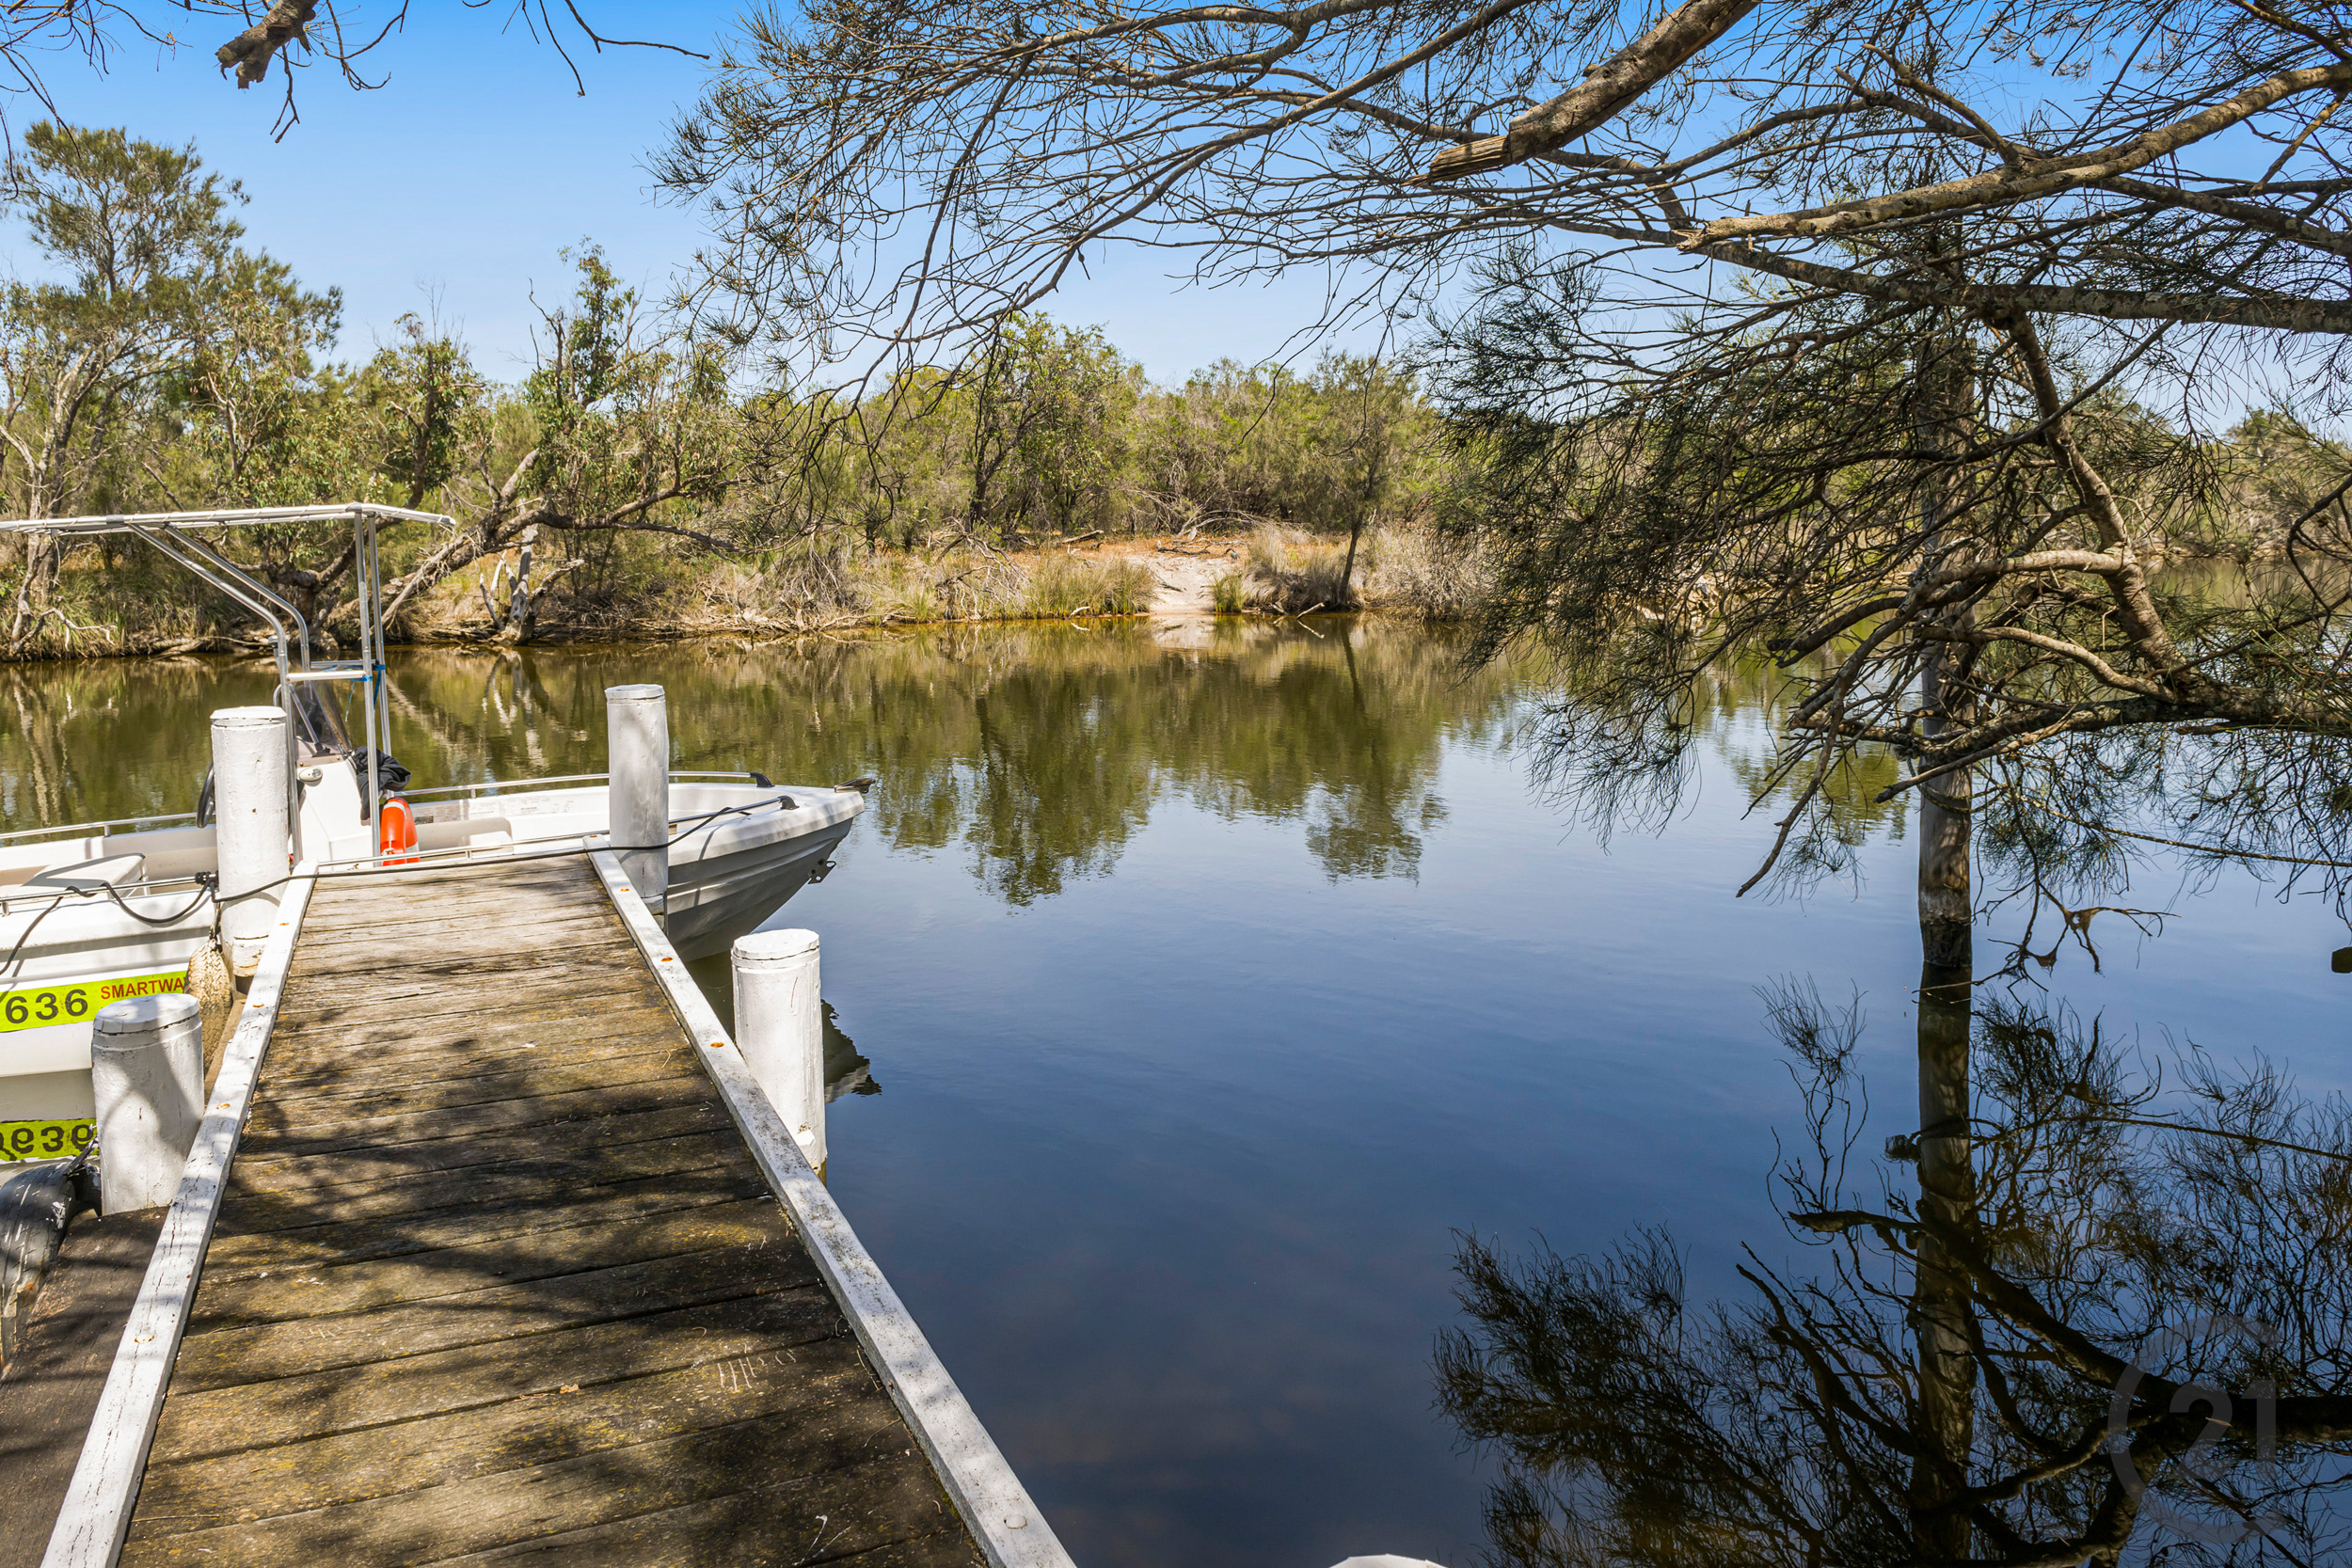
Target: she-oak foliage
(1892,342)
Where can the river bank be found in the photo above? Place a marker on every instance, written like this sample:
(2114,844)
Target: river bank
(121,607)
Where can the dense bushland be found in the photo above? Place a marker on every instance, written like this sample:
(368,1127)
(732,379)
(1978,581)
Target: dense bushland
(639,482)
(633,482)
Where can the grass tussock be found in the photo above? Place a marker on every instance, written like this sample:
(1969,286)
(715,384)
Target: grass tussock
(1420,572)
(1067,586)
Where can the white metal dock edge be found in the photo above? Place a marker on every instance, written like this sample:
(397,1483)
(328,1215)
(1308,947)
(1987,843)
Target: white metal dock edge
(996,1506)
(96,1513)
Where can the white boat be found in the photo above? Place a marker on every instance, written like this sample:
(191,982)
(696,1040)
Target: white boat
(93,912)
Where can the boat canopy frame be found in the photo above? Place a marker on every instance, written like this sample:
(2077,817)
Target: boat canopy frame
(172,536)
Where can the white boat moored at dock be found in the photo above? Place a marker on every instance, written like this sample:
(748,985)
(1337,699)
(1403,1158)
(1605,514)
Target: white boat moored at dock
(95,913)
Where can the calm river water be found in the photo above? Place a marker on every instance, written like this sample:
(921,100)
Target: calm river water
(1211,986)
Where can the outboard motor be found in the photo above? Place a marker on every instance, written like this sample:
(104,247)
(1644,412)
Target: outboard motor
(36,1204)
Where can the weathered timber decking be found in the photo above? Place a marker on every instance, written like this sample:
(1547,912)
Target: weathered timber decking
(494,1277)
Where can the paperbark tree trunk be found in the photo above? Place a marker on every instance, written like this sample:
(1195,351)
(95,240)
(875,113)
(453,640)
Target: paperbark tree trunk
(41,556)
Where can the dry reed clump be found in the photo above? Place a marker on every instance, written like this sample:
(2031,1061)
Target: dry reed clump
(1286,573)
(804,594)
(809,594)
(813,590)
(1420,572)
(1413,570)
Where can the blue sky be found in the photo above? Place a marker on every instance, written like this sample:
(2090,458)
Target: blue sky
(456,186)
(462,179)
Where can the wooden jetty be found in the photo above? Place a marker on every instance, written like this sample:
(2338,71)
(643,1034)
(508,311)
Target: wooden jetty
(489,1249)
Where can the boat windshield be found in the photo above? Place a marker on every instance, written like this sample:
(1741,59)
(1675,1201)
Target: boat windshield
(318,723)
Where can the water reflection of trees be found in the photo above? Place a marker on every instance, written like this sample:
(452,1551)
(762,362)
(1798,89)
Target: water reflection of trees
(1040,751)
(1799,1423)
(112,737)
(1614,765)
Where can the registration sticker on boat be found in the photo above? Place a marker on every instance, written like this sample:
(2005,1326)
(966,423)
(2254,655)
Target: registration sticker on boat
(40,1007)
(41,1140)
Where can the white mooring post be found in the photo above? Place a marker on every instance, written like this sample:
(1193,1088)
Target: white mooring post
(147,1070)
(636,757)
(780,1028)
(250,762)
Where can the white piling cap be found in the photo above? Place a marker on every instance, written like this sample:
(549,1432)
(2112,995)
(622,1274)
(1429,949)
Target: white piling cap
(624,693)
(763,949)
(140,1015)
(247,718)
(1387,1562)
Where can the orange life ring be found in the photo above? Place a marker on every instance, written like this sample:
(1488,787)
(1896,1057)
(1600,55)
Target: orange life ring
(400,831)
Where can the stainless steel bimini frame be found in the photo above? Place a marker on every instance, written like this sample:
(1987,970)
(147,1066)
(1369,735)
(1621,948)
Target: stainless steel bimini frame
(170,533)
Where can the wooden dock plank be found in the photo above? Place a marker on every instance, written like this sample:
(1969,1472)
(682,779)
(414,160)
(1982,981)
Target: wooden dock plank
(214,1357)
(346,1399)
(471,1223)
(830,1527)
(812,1386)
(321,1207)
(427,969)
(875,1498)
(630,1092)
(348,1167)
(344,993)
(566,1244)
(474,1044)
(406,1095)
(441,1026)
(392,936)
(494,1275)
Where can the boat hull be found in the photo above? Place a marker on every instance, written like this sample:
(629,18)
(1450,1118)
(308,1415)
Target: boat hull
(715,898)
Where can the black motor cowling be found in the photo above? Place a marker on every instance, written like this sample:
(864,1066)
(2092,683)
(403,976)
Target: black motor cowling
(36,1204)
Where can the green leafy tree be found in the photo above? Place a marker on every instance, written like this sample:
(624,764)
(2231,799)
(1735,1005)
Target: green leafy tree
(155,303)
(628,425)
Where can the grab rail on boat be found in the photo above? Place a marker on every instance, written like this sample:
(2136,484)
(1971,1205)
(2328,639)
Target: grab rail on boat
(494,785)
(11,897)
(516,849)
(83,830)
(14,900)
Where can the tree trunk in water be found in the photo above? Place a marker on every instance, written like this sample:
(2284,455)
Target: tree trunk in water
(1347,571)
(1948,1184)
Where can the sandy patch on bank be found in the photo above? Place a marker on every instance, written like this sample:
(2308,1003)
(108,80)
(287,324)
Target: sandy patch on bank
(1188,581)
(1186,570)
